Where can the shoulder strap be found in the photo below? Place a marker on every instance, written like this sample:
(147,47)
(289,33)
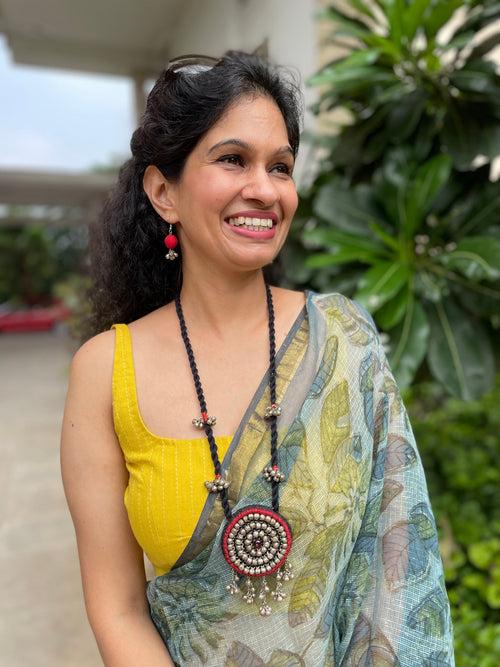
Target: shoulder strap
(124,390)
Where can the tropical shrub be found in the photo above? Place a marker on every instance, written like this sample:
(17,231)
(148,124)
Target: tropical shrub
(460,447)
(402,213)
(34,258)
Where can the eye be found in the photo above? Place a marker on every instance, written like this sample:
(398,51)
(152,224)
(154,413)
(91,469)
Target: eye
(231,159)
(283,168)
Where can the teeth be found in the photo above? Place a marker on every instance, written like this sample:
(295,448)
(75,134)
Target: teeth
(255,224)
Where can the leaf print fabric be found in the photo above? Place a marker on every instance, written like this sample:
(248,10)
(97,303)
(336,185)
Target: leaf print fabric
(368,589)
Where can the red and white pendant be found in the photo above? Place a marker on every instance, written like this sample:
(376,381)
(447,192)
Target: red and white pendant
(256,543)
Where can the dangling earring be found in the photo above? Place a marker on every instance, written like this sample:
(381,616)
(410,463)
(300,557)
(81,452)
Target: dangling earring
(171,242)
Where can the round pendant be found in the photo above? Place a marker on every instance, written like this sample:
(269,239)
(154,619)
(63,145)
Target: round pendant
(257,541)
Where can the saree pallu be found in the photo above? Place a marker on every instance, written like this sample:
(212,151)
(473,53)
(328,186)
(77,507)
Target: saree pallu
(368,586)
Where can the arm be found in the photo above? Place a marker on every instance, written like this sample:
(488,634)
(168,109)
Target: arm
(94,477)
(394,583)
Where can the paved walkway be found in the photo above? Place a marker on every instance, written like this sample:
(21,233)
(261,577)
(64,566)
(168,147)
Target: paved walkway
(42,614)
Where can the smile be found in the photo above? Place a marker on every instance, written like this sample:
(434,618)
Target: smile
(257,228)
(255,224)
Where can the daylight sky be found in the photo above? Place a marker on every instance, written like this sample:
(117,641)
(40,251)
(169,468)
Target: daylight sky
(57,119)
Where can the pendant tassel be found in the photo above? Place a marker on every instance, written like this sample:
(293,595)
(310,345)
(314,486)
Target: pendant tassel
(250,595)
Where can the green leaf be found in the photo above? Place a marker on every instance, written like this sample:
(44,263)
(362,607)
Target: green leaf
(393,311)
(479,209)
(331,237)
(339,255)
(476,257)
(405,116)
(440,14)
(350,210)
(391,182)
(478,76)
(353,60)
(343,24)
(482,300)
(241,654)
(466,136)
(409,344)
(485,553)
(427,182)
(381,283)
(384,45)
(395,10)
(335,422)
(282,658)
(363,8)
(460,354)
(384,236)
(429,616)
(354,80)
(412,17)
(352,147)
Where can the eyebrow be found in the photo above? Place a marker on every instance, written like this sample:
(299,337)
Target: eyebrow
(246,146)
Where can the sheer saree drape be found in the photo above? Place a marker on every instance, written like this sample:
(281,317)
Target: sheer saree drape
(368,586)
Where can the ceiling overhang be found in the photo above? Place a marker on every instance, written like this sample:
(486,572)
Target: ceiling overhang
(118,37)
(54,188)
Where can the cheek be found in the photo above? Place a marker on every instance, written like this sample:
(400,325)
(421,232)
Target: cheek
(210,191)
(291,200)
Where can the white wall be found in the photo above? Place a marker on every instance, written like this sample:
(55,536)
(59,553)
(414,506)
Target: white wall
(212,26)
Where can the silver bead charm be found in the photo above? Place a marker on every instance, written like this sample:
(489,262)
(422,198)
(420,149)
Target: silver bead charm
(286,574)
(233,587)
(273,474)
(249,596)
(260,597)
(171,254)
(272,410)
(218,484)
(264,609)
(200,422)
(278,594)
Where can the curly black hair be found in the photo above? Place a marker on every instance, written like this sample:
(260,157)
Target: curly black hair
(129,274)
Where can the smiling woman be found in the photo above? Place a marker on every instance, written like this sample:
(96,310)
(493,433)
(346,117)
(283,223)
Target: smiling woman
(297,529)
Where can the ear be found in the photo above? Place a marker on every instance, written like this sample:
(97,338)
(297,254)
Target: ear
(161,193)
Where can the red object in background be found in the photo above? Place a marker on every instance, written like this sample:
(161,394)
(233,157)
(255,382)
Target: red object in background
(33,319)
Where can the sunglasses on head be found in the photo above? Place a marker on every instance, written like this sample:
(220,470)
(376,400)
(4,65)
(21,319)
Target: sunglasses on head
(192,64)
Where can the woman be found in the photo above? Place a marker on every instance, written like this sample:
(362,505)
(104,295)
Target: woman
(294,527)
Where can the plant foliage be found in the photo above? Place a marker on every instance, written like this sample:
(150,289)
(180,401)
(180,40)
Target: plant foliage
(460,447)
(402,214)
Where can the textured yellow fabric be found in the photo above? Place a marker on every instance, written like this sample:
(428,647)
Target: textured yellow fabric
(166,492)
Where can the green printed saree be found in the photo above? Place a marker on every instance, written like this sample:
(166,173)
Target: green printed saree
(368,587)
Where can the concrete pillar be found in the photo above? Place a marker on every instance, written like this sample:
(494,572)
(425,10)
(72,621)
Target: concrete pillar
(139,81)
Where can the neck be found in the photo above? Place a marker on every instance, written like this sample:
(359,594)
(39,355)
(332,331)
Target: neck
(223,306)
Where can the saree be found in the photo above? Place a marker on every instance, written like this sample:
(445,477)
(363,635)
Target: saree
(368,586)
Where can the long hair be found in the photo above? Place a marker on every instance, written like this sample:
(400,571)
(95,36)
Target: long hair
(129,274)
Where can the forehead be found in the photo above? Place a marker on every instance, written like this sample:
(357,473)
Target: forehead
(254,119)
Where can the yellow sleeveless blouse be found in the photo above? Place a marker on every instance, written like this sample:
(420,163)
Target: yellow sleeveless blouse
(166,493)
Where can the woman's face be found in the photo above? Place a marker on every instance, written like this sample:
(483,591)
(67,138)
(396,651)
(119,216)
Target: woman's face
(238,175)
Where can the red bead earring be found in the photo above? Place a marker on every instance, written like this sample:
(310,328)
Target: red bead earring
(171,242)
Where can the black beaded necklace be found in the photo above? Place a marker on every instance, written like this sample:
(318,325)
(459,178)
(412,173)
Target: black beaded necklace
(256,540)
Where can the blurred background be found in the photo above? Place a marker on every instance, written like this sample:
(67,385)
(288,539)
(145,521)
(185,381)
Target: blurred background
(400,208)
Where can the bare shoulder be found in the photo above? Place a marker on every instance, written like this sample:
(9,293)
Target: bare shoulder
(293,299)
(95,349)
(91,370)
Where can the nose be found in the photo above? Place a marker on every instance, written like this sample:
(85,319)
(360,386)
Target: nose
(260,187)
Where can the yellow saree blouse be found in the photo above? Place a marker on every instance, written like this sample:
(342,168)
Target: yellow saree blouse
(163,512)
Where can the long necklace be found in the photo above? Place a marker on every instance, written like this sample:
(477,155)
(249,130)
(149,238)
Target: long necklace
(256,540)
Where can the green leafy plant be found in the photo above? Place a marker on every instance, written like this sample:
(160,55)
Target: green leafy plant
(403,215)
(34,258)
(460,447)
